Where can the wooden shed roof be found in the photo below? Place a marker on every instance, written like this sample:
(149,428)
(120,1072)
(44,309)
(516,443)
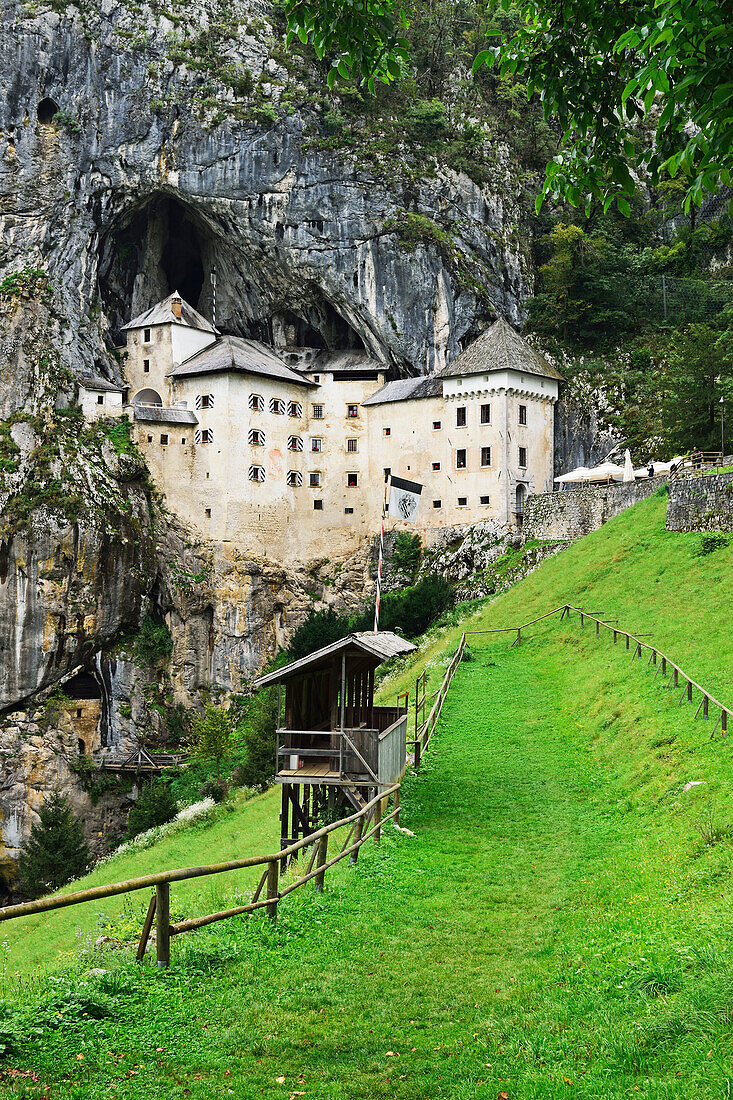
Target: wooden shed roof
(382,645)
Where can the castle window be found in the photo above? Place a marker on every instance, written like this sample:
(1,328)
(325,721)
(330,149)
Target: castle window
(485,500)
(316,444)
(486,414)
(164,439)
(386,431)
(257,402)
(207,513)
(204,435)
(352,446)
(257,473)
(486,456)
(318,505)
(437,503)
(348,511)
(318,412)
(183,440)
(314,479)
(437,425)
(150,439)
(462,502)
(204,400)
(146,366)
(295,408)
(461,417)
(100,399)
(436,465)
(256,437)
(147,336)
(294,478)
(461,458)
(295,443)
(352,480)
(277,406)
(352,411)
(522,414)
(522,456)
(79,712)
(316,378)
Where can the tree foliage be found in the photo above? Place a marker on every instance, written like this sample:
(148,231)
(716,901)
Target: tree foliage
(212,734)
(56,851)
(155,806)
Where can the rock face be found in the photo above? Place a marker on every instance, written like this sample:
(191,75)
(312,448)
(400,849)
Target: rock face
(142,185)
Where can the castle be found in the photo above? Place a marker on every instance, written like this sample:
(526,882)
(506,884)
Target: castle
(284,452)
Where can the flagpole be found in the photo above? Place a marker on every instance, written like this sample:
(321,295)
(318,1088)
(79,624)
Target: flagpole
(387,483)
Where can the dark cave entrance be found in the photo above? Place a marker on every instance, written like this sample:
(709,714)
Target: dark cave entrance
(153,250)
(319,325)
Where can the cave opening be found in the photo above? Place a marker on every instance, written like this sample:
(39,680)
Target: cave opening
(152,251)
(47,110)
(320,325)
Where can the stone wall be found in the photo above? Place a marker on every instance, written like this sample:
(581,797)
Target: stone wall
(701,504)
(574,512)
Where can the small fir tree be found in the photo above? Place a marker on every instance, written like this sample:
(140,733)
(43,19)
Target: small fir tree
(56,851)
(258,737)
(212,734)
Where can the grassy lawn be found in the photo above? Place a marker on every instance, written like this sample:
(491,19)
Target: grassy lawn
(558,926)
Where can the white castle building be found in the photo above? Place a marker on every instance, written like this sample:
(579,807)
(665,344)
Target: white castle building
(284,452)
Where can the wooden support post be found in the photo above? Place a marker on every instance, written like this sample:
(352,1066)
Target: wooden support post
(519,636)
(162,924)
(724,723)
(664,666)
(615,636)
(676,676)
(689,690)
(378,822)
(284,818)
(397,807)
(357,840)
(145,934)
(628,640)
(582,621)
(598,628)
(418,752)
(705,706)
(272,875)
(320,860)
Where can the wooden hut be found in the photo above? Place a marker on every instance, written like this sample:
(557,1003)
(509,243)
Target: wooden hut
(334,746)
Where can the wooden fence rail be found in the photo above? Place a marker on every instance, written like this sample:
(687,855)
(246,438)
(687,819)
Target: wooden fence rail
(159,907)
(668,668)
(425,731)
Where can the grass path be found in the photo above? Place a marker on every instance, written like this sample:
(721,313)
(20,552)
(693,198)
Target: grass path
(538,937)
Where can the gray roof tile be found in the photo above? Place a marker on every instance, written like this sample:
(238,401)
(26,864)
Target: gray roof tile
(162,314)
(159,414)
(499,347)
(246,356)
(407,389)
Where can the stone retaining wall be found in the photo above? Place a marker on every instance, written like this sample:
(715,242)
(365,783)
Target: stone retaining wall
(701,504)
(574,512)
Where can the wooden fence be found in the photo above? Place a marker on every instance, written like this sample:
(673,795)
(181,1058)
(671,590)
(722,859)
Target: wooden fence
(664,664)
(424,732)
(269,891)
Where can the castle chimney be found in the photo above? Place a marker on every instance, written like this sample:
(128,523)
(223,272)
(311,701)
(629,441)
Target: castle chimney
(176,308)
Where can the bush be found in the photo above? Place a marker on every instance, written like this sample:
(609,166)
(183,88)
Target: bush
(411,611)
(712,541)
(213,788)
(211,734)
(258,738)
(153,643)
(56,851)
(319,629)
(407,552)
(155,806)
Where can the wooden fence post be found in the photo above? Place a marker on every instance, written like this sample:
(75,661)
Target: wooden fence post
(705,706)
(272,875)
(724,723)
(357,840)
(378,820)
(615,637)
(628,640)
(147,926)
(320,860)
(397,807)
(162,924)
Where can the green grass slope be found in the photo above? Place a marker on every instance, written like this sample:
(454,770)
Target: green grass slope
(558,926)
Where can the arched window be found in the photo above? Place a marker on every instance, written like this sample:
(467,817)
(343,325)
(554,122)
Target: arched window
(256,437)
(295,443)
(257,473)
(147,397)
(257,402)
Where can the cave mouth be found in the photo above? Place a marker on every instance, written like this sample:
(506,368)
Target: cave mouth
(47,110)
(153,250)
(319,325)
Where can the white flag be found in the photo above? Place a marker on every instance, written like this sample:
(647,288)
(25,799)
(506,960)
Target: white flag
(404,498)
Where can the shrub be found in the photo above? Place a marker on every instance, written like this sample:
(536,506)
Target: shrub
(56,851)
(258,739)
(155,806)
(410,611)
(153,643)
(319,629)
(213,788)
(407,552)
(712,541)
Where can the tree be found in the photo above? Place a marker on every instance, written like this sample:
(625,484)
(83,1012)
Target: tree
(155,806)
(258,738)
(700,373)
(643,86)
(212,734)
(56,851)
(318,629)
